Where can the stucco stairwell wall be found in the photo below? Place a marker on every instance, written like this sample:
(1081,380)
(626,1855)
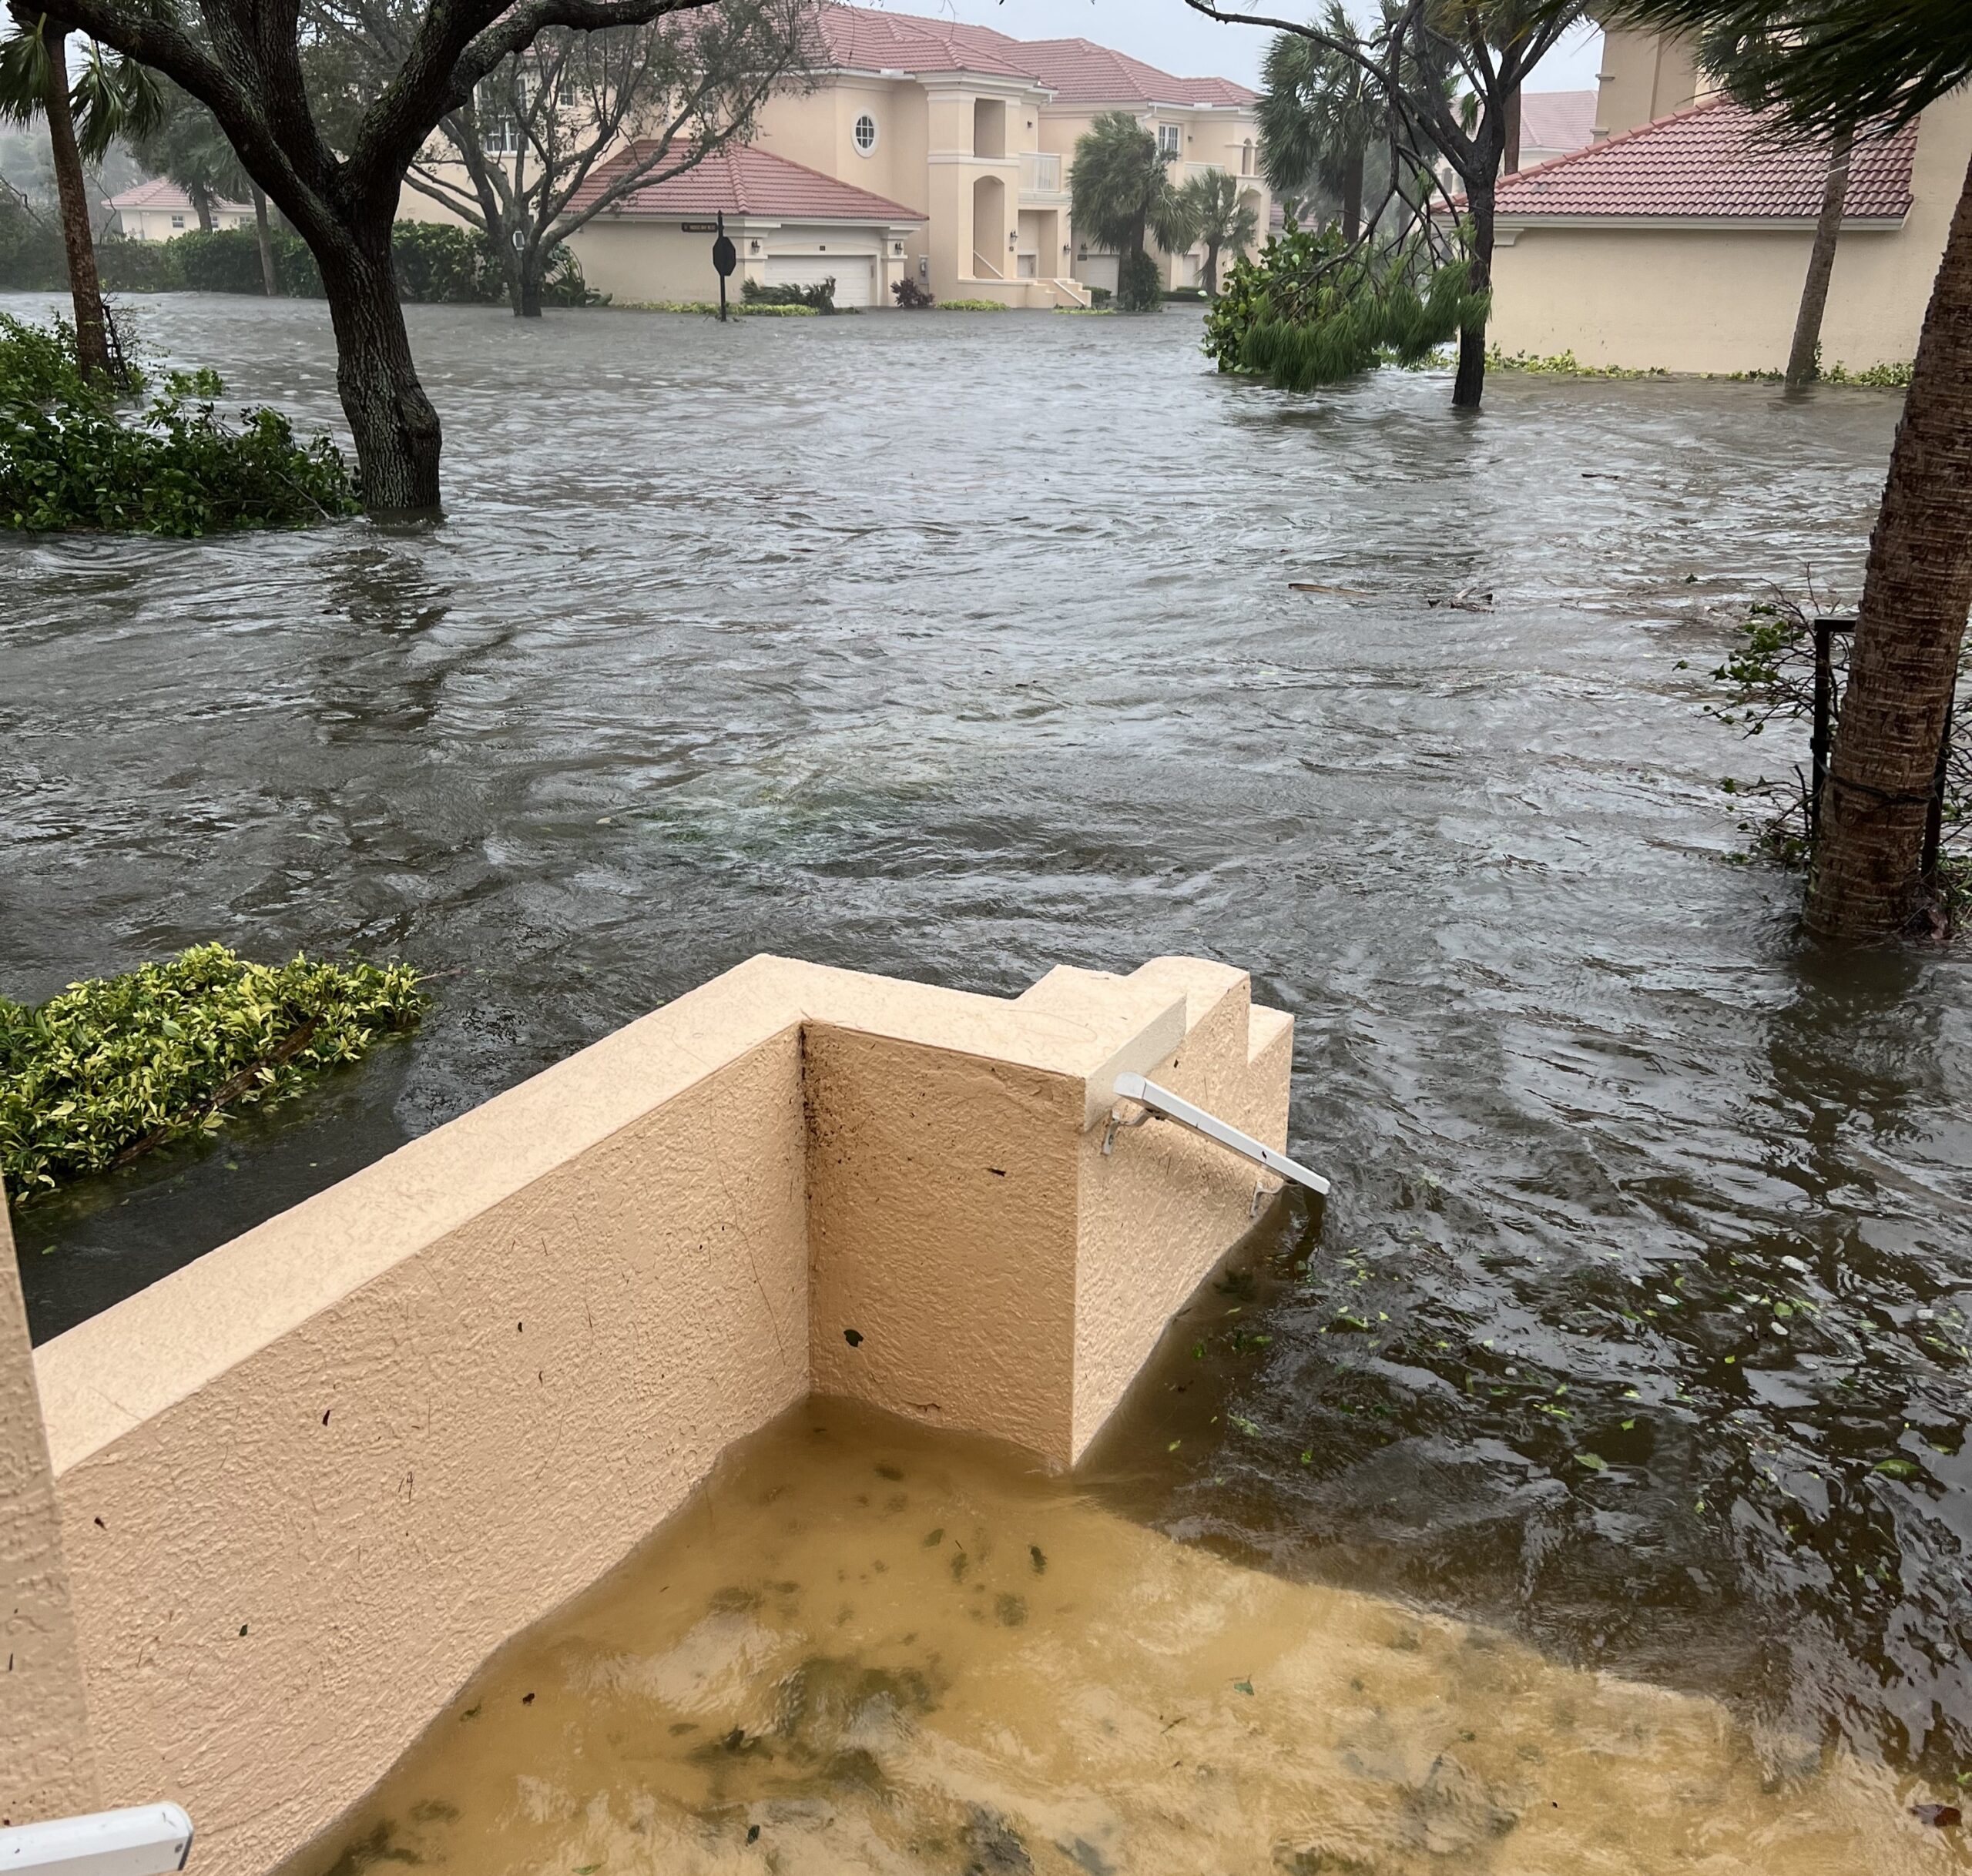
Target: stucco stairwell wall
(306,1484)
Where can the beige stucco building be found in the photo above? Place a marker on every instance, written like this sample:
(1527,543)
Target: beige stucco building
(160,210)
(1680,239)
(958,140)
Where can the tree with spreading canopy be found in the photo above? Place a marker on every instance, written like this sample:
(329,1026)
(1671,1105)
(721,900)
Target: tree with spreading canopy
(555,135)
(109,98)
(1875,64)
(1489,48)
(243,60)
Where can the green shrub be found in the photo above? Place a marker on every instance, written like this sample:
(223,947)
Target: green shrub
(127,267)
(972,305)
(1313,310)
(820,297)
(1139,286)
(909,294)
(780,312)
(438,265)
(70,460)
(1893,377)
(1100,296)
(115,1066)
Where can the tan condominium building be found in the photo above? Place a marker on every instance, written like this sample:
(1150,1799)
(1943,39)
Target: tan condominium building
(1679,239)
(924,149)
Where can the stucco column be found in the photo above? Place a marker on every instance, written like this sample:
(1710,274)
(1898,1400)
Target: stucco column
(46,1762)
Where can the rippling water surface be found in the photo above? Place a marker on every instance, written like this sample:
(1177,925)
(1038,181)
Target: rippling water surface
(958,647)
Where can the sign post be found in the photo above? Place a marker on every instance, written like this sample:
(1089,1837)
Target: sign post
(725,257)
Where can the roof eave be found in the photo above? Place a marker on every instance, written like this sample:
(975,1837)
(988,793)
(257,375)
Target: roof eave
(1506,220)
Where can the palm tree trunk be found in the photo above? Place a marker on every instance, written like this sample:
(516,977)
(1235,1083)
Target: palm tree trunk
(268,279)
(1469,388)
(84,289)
(1352,195)
(1866,880)
(1804,360)
(1510,161)
(202,206)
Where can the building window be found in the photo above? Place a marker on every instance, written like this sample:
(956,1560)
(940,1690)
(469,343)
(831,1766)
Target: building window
(570,95)
(1170,139)
(865,134)
(178,221)
(1246,157)
(503,137)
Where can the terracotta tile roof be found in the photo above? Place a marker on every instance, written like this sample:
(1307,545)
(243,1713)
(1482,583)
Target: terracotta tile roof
(1557,120)
(160,193)
(1716,162)
(742,179)
(857,39)
(1080,71)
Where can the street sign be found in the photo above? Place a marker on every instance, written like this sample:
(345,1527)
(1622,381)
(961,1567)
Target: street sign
(725,257)
(698,228)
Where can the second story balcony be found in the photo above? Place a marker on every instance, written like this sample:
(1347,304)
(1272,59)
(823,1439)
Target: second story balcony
(1041,177)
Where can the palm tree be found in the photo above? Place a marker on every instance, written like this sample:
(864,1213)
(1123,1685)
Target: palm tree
(1215,214)
(186,144)
(108,98)
(1120,195)
(1751,68)
(1865,62)
(1320,112)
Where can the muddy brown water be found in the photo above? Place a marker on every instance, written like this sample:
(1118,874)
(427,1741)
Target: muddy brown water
(956,648)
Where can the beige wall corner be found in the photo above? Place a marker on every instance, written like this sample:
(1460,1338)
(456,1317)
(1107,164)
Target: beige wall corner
(1163,1206)
(47,1762)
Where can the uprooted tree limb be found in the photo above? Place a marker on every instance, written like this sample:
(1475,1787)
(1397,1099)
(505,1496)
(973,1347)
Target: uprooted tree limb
(1491,46)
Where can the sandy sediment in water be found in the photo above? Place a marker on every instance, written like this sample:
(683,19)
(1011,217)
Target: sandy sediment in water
(868,1648)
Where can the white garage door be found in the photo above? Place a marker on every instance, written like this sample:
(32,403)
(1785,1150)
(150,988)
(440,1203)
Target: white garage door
(852,274)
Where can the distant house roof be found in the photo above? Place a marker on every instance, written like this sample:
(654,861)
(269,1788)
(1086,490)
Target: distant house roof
(1716,162)
(1557,120)
(857,39)
(160,193)
(1080,71)
(741,179)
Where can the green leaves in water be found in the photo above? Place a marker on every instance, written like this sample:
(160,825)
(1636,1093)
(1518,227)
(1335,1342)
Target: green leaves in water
(115,1066)
(1313,310)
(71,460)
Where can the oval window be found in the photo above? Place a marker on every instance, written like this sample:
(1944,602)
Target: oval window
(866,133)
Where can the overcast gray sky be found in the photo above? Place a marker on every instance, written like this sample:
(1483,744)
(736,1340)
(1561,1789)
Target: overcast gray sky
(1168,34)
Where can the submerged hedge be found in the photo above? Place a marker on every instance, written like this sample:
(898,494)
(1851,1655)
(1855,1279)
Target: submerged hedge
(114,1068)
(78,456)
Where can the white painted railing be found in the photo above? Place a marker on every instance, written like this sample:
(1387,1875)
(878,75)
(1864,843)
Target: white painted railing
(1040,173)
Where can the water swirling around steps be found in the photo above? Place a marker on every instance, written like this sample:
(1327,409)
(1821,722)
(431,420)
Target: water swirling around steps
(959,647)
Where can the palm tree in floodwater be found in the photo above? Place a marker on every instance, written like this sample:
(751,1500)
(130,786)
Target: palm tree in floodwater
(1120,197)
(1319,113)
(111,97)
(1215,216)
(1876,64)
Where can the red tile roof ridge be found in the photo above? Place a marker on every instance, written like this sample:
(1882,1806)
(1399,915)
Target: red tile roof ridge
(739,178)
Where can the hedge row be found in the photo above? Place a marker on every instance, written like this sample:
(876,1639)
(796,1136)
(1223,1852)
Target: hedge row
(435,264)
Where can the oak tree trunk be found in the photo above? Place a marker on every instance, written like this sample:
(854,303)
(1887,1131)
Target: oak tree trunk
(268,280)
(1804,359)
(1469,388)
(395,428)
(84,289)
(1866,879)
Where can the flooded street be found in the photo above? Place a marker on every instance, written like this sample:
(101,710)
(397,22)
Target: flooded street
(958,647)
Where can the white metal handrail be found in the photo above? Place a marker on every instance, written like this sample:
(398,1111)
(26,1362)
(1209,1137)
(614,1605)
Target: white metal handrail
(147,1840)
(1167,1106)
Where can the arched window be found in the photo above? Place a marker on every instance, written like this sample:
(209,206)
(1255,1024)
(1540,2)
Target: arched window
(865,134)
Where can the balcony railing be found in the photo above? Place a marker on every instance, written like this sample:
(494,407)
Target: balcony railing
(1040,173)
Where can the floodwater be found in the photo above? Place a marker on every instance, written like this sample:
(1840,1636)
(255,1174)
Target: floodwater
(958,647)
(865,1646)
